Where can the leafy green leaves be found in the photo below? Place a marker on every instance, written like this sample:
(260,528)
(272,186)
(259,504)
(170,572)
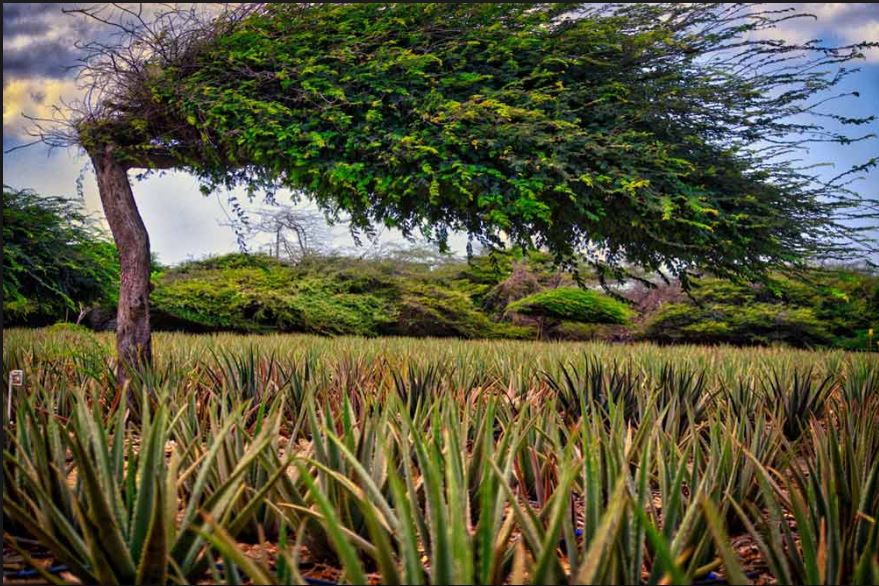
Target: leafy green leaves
(571,303)
(55,259)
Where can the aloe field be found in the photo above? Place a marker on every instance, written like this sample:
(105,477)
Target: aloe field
(295,459)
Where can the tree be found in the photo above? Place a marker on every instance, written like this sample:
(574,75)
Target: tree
(571,304)
(55,259)
(648,134)
(296,233)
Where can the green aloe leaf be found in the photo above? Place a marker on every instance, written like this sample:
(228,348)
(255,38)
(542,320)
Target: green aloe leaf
(347,554)
(734,572)
(594,560)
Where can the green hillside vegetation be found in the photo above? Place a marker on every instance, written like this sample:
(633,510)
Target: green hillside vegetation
(55,259)
(57,264)
(325,296)
(504,296)
(830,308)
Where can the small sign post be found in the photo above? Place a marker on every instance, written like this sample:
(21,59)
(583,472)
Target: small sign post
(16,379)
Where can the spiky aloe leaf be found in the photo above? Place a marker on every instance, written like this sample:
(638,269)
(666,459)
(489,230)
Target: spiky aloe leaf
(153,567)
(365,477)
(151,469)
(28,560)
(379,536)
(547,562)
(734,571)
(347,555)
(71,557)
(663,551)
(98,523)
(220,539)
(412,568)
(595,558)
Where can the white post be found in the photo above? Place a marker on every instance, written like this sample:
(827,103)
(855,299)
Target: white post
(16,379)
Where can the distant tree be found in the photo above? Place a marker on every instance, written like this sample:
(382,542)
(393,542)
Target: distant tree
(653,135)
(295,232)
(56,261)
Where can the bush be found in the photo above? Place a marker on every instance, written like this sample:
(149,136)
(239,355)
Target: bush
(428,309)
(573,304)
(324,296)
(258,293)
(760,323)
(55,259)
(824,308)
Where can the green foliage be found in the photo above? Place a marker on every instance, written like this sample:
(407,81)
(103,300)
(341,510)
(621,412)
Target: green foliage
(573,304)
(566,127)
(258,293)
(432,310)
(323,296)
(822,307)
(349,296)
(55,259)
(761,323)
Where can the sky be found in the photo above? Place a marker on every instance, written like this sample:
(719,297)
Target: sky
(39,45)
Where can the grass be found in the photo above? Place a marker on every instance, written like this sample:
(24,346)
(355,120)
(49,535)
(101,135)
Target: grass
(425,461)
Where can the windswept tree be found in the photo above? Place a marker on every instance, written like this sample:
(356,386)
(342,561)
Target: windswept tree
(648,135)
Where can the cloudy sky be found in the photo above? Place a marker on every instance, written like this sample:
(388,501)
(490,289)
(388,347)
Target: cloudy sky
(38,48)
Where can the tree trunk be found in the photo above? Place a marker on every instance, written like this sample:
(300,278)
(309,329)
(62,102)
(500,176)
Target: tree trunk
(133,344)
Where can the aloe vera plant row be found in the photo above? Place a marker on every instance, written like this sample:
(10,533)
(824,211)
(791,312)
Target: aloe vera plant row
(443,462)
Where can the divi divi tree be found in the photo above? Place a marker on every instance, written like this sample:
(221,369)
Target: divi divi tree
(643,135)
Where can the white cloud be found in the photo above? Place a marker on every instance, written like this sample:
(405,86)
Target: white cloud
(834,22)
(34,97)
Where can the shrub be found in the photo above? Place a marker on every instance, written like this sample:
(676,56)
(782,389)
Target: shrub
(257,293)
(760,323)
(573,304)
(327,296)
(825,307)
(55,259)
(426,309)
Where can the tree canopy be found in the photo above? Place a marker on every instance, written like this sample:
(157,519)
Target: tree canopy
(636,134)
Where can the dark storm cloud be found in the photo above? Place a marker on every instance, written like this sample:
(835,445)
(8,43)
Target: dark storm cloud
(24,28)
(38,40)
(26,11)
(40,59)
(29,19)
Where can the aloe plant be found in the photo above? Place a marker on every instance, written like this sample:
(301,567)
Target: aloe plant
(425,461)
(118,522)
(834,501)
(594,386)
(798,399)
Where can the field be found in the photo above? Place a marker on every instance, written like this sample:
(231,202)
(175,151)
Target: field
(298,459)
